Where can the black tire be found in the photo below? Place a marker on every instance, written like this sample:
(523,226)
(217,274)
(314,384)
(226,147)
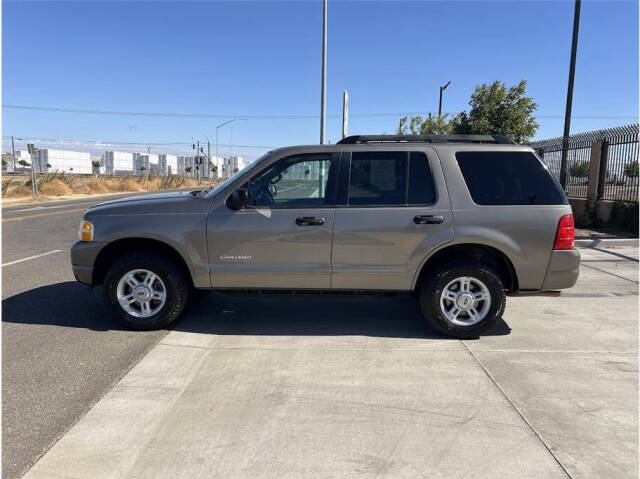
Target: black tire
(436,281)
(173,277)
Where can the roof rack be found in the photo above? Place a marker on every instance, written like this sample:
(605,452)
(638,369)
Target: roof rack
(495,139)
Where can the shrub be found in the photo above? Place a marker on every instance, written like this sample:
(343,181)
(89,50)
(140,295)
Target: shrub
(580,169)
(631,169)
(624,214)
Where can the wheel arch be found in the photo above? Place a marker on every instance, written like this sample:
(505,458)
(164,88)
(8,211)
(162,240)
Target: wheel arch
(499,261)
(115,249)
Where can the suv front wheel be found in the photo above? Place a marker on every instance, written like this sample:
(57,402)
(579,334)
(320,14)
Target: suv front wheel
(463,299)
(145,291)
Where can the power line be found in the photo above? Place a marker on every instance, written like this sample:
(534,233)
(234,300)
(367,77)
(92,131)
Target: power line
(270,117)
(136,143)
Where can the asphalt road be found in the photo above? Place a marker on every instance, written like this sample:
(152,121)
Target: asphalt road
(60,352)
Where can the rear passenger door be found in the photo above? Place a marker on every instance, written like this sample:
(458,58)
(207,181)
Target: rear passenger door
(392,211)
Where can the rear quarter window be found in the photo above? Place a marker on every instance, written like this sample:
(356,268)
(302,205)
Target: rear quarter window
(508,178)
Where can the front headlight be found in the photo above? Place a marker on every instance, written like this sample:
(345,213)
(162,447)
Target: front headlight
(85,233)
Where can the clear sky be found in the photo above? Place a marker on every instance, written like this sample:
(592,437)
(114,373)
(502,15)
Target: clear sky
(263,58)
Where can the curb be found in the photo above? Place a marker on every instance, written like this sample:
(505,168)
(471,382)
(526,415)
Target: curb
(606,243)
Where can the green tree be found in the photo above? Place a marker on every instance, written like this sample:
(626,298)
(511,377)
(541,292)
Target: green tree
(499,110)
(95,163)
(631,169)
(432,125)
(23,163)
(579,169)
(496,109)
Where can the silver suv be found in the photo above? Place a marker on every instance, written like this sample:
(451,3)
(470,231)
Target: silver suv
(460,220)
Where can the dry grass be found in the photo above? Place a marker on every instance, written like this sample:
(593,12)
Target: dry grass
(60,184)
(55,187)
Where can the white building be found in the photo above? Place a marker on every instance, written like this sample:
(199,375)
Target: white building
(13,165)
(185,166)
(118,163)
(64,161)
(230,165)
(168,164)
(146,163)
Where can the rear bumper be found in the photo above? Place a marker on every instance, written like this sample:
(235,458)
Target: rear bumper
(563,270)
(83,256)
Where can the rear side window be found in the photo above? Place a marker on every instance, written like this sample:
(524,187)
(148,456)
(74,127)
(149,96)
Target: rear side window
(508,178)
(421,188)
(378,178)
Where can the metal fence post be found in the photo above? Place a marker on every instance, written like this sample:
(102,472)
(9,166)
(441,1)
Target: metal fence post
(594,171)
(602,177)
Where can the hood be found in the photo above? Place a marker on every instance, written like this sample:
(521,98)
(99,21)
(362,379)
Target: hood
(157,203)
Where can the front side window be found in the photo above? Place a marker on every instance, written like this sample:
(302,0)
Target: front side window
(378,178)
(508,178)
(298,181)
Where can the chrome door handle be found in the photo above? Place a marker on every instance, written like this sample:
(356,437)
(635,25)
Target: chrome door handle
(428,220)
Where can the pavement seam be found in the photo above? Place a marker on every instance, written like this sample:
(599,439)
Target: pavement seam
(614,253)
(248,348)
(607,272)
(89,407)
(513,406)
(542,351)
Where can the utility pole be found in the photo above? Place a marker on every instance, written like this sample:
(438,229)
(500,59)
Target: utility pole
(208,155)
(442,88)
(567,114)
(345,113)
(323,93)
(34,185)
(13,149)
(197,165)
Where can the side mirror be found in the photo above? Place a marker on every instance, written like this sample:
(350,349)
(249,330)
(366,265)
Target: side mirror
(237,199)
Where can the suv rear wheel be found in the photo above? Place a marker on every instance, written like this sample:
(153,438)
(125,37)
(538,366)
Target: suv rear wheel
(463,299)
(145,290)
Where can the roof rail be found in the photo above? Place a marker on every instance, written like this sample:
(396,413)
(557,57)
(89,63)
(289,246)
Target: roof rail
(495,139)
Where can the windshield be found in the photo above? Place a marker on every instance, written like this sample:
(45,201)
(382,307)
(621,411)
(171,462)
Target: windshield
(237,175)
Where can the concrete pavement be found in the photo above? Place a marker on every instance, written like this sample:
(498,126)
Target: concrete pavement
(60,351)
(360,387)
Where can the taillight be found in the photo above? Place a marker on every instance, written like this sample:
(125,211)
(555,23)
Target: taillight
(565,234)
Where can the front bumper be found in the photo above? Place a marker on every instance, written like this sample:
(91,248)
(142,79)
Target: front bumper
(563,270)
(83,257)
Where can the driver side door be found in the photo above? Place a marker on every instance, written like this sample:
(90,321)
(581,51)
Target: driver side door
(282,238)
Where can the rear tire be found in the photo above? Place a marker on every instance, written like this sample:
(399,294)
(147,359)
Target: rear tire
(145,290)
(463,299)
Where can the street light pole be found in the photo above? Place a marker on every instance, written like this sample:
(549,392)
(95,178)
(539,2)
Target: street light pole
(323,93)
(221,125)
(567,114)
(208,154)
(442,88)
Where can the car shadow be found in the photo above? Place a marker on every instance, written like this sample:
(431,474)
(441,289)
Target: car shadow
(70,304)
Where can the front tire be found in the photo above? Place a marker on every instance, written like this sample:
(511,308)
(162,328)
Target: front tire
(145,291)
(463,299)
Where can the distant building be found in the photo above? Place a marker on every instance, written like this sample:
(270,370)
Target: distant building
(168,164)
(230,165)
(16,167)
(65,161)
(185,166)
(146,163)
(118,163)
